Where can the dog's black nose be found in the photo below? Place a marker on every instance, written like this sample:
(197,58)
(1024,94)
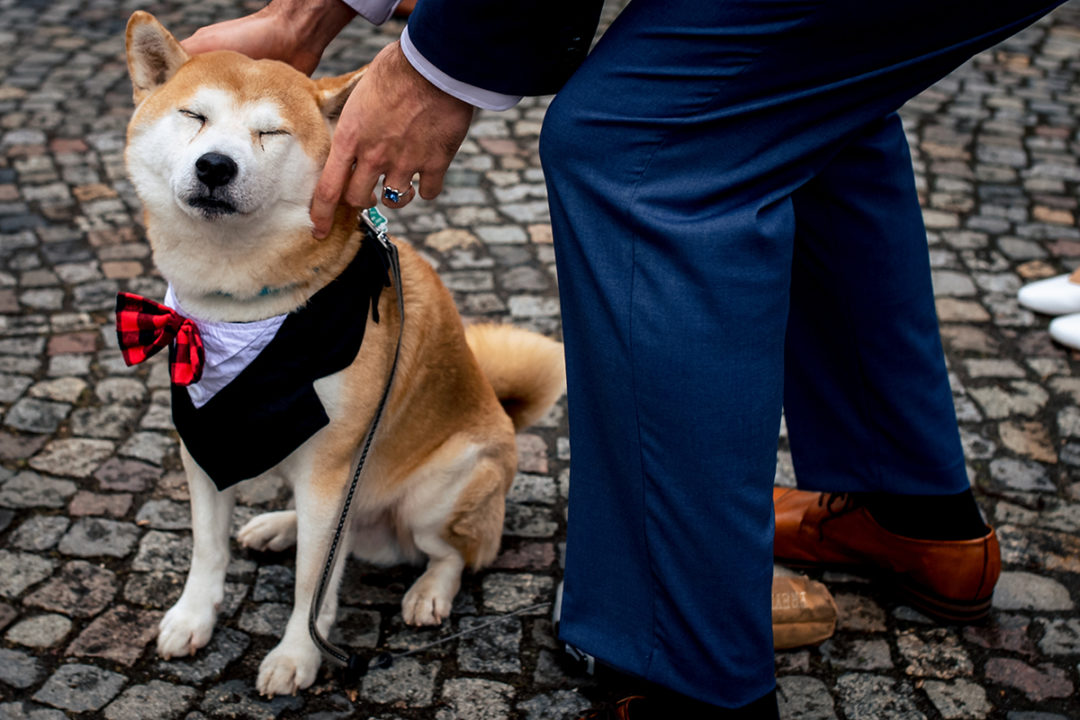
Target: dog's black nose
(214,169)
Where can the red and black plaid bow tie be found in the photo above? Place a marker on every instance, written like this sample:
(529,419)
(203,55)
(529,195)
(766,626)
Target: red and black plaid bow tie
(143,327)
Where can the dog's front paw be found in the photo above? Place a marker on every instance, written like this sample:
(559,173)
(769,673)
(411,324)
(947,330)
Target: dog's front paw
(185,629)
(288,669)
(427,603)
(274,531)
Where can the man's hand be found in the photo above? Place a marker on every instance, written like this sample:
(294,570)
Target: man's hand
(294,31)
(395,124)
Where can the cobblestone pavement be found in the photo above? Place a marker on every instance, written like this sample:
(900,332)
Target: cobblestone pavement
(93,521)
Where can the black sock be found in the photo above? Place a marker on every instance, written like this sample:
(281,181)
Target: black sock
(927,517)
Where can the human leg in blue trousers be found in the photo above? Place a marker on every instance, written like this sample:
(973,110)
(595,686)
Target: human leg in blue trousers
(867,397)
(710,166)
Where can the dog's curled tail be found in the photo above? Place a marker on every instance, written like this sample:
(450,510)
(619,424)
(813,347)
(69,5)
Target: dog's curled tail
(525,368)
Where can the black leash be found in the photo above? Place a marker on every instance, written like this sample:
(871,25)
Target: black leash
(375,226)
(355,666)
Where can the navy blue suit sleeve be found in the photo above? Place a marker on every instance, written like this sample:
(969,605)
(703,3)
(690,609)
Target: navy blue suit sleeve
(515,47)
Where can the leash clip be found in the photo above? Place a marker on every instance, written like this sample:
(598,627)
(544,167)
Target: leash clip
(378,225)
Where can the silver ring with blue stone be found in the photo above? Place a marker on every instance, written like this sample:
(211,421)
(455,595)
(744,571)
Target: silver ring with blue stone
(396,196)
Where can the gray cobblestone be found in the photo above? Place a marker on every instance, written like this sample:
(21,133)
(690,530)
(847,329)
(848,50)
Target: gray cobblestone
(93,537)
(80,688)
(80,589)
(1061,636)
(18,571)
(155,699)
(64,389)
(225,647)
(40,532)
(109,421)
(495,649)
(19,669)
(507,593)
(407,681)
(236,698)
(934,653)
(876,696)
(558,705)
(75,457)
(164,515)
(804,698)
(475,699)
(857,654)
(149,446)
(265,619)
(1027,591)
(36,416)
(163,551)
(27,711)
(960,700)
(41,631)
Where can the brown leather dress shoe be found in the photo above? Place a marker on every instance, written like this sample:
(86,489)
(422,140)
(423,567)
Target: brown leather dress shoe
(951,580)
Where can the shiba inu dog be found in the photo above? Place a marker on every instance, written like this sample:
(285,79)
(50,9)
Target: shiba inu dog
(224,153)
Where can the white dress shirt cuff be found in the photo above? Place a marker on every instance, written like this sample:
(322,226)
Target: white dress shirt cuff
(471,94)
(375,12)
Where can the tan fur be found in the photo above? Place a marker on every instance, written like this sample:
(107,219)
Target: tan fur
(525,369)
(445,453)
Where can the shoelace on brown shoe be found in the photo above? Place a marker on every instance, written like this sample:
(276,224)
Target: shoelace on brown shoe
(847,504)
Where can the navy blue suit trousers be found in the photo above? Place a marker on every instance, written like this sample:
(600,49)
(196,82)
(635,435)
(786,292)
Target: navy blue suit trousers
(737,231)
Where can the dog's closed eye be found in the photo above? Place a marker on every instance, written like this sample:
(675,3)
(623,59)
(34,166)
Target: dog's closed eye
(193,115)
(263,134)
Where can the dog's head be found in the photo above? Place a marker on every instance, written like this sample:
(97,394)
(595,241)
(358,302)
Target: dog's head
(222,136)
(225,153)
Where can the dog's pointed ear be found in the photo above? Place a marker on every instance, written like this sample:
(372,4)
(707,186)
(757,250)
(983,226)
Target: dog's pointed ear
(332,92)
(153,54)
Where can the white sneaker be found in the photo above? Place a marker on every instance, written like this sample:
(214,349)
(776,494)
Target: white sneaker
(1066,330)
(1052,296)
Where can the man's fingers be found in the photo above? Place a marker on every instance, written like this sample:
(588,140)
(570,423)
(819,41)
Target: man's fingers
(397,193)
(195,45)
(247,35)
(205,39)
(431,183)
(361,190)
(328,192)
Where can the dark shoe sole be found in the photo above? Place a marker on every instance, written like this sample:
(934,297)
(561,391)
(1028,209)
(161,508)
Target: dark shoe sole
(929,603)
(949,610)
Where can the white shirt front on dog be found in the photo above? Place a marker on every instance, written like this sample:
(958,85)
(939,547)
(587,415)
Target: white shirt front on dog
(229,348)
